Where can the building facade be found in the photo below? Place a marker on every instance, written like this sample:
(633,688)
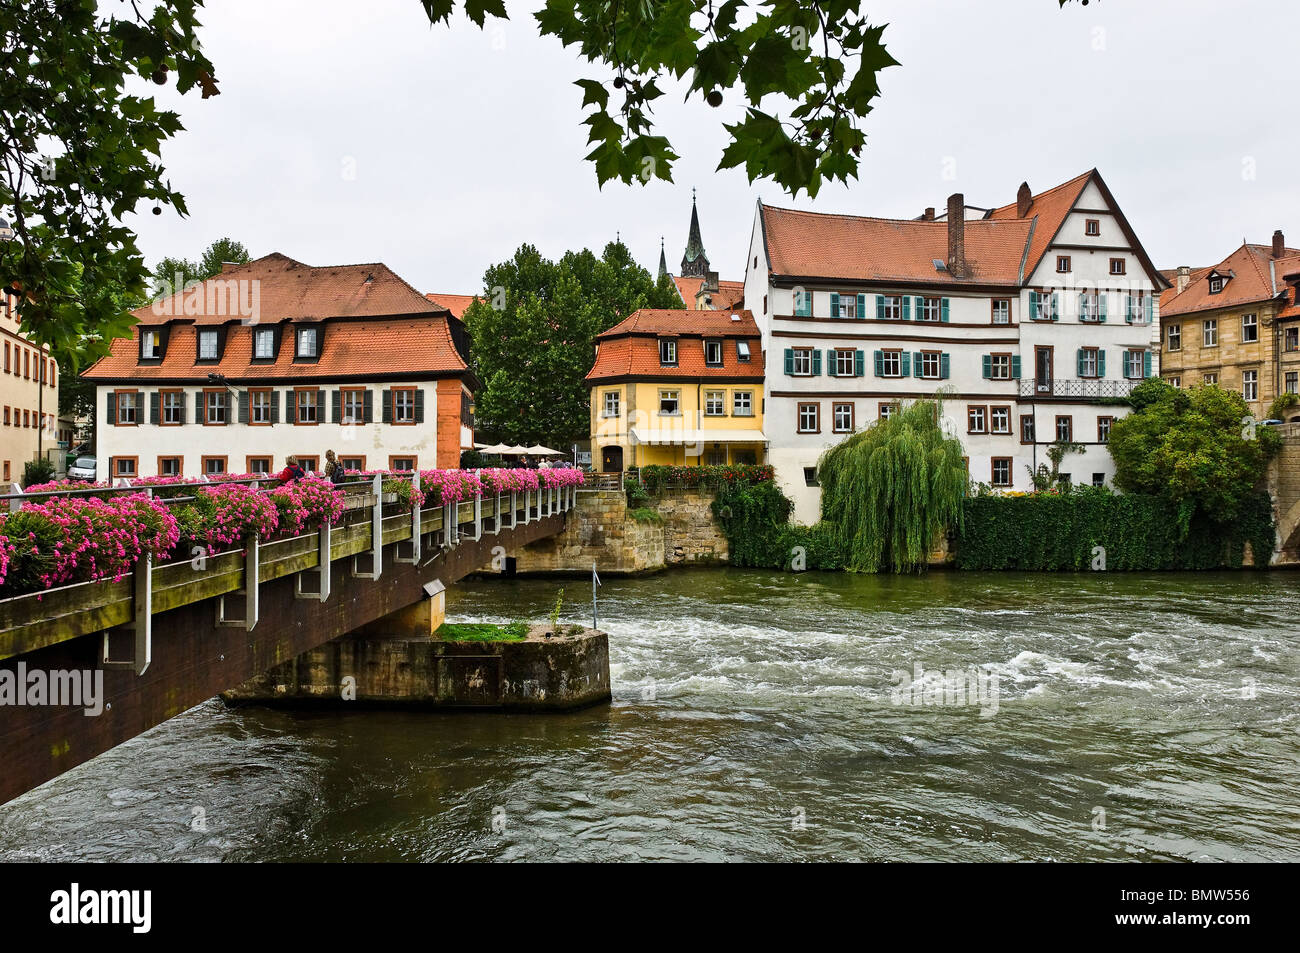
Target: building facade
(1029,320)
(1235,324)
(678,387)
(277,358)
(29,392)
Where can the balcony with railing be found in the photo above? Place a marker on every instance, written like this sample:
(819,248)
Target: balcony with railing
(1079,388)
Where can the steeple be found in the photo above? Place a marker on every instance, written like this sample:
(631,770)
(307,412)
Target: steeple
(663,261)
(695,263)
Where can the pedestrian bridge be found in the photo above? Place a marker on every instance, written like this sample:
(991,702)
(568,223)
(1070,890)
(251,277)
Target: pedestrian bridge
(167,637)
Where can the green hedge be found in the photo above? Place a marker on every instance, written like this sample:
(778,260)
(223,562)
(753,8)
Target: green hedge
(1051,533)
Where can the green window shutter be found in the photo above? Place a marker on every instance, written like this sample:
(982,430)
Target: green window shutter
(943,310)
(1128,309)
(880,363)
(338,406)
(943,366)
(1146,362)
(1101,363)
(859,359)
(862,307)
(1015,367)
(320,405)
(830,362)
(243,406)
(1148,308)
(275,406)
(1083,304)
(368,406)
(1033,305)
(816,362)
(920,307)
(835,305)
(880,308)
(906,360)
(916,363)
(988,366)
(199,400)
(419,405)
(789,360)
(112,408)
(1102,296)
(1078,362)
(387,410)
(1056,306)
(155,401)
(907,307)
(182,407)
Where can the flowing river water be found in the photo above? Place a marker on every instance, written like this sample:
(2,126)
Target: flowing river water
(758,716)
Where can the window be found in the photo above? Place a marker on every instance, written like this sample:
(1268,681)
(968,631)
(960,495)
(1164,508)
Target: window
(1176,382)
(263,344)
(742,351)
(1001,311)
(842,418)
(1174,337)
(401,463)
(150,345)
(258,464)
(304,401)
(1099,479)
(612,403)
(810,418)
(1092,226)
(1117,266)
(999,420)
(667,352)
(717,457)
(1250,385)
(1291,384)
(1249,328)
(1000,367)
(891,307)
(213,466)
(8,472)
(352,463)
(846,363)
(848,307)
(1291,339)
(6,415)
(1065,428)
(803,361)
(1026,428)
(976,419)
(1135,364)
(891,363)
(308,342)
(214,408)
(928,309)
(742,404)
(930,364)
(171,408)
(128,408)
(715,403)
(1062,263)
(810,476)
(1001,471)
(352,405)
(403,405)
(1210,333)
(713,353)
(259,407)
(125,467)
(887,410)
(1088,362)
(670,404)
(1212,379)
(207,345)
(802,303)
(1103,429)
(310,464)
(1089,307)
(1216,285)
(169,466)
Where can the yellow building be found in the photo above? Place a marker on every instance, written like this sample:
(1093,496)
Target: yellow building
(29,392)
(678,387)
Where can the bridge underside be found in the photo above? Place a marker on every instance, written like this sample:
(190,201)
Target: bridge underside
(194,658)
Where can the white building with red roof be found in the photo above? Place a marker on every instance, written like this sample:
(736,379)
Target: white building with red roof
(1030,318)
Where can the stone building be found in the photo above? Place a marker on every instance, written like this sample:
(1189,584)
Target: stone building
(29,392)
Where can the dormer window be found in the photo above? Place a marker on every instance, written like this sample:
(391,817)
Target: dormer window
(263,343)
(151,345)
(308,342)
(667,352)
(1216,284)
(713,353)
(742,351)
(207,345)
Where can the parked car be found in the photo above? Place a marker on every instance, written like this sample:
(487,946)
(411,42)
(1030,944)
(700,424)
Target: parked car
(82,468)
(80,450)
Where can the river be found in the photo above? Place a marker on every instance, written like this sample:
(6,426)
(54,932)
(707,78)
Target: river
(757,716)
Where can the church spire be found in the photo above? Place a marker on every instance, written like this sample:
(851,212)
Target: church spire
(663,261)
(695,263)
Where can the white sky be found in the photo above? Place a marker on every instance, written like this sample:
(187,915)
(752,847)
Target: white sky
(464,143)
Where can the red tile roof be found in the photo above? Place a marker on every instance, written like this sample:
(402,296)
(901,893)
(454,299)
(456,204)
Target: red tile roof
(630,349)
(456,304)
(1050,208)
(1250,280)
(728,294)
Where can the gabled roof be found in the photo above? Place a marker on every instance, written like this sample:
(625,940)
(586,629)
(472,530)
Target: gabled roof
(727,294)
(630,349)
(288,290)
(655,322)
(456,304)
(1256,278)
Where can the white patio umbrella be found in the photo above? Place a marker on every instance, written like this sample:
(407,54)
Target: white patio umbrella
(493,448)
(537,450)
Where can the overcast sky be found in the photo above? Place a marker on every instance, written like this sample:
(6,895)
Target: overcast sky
(353,131)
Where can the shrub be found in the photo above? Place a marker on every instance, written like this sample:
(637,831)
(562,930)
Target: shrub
(311,500)
(36,472)
(227,514)
(656,478)
(645,515)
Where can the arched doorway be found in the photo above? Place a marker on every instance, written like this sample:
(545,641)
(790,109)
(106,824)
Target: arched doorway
(611,459)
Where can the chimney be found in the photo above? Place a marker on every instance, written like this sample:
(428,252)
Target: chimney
(1183,280)
(957,235)
(1279,244)
(1024,199)
(929,215)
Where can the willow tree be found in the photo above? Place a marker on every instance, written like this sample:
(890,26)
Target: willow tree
(889,491)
